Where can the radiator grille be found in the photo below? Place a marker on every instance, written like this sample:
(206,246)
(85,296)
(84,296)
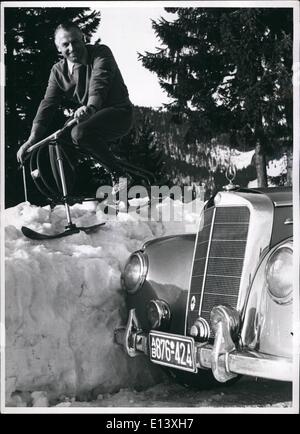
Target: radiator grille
(218,261)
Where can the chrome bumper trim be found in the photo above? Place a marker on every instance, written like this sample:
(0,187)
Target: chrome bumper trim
(249,363)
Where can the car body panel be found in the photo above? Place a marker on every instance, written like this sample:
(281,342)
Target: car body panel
(170,262)
(267,325)
(282,224)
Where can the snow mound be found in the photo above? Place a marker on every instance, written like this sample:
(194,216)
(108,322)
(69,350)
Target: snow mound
(63,300)
(224,155)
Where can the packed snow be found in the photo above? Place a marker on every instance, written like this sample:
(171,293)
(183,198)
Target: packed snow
(240,160)
(63,300)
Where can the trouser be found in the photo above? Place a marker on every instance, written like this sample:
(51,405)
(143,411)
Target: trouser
(108,124)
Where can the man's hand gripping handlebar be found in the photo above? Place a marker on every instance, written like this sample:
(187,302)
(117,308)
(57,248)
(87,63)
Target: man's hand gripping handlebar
(25,150)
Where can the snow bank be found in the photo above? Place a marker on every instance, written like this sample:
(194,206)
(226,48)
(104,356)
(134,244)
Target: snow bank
(63,300)
(239,159)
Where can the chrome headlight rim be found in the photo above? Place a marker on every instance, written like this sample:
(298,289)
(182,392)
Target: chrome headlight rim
(143,262)
(289,297)
(163,312)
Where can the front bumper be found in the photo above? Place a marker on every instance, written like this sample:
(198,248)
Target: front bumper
(249,363)
(222,357)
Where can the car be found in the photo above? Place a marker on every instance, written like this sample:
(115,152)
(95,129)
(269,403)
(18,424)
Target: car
(213,306)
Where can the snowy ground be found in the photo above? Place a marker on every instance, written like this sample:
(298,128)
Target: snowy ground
(63,300)
(247,393)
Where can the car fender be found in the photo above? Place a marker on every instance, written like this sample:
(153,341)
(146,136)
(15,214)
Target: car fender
(267,325)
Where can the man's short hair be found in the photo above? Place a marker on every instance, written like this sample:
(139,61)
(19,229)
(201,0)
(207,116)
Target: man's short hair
(67,26)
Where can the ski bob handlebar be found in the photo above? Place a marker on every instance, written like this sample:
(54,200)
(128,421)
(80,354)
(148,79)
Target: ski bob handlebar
(52,136)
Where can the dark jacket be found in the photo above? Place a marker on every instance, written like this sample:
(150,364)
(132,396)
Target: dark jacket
(102,86)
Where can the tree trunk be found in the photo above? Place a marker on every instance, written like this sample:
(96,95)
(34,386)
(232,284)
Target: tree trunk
(289,169)
(12,126)
(260,164)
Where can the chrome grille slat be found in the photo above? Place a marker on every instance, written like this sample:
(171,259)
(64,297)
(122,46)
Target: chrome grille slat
(218,261)
(223,275)
(227,248)
(225,267)
(218,293)
(212,301)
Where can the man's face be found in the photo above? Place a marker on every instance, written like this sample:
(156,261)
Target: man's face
(71,45)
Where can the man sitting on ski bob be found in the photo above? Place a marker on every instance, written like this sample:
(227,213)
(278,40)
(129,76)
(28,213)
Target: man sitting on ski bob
(88,75)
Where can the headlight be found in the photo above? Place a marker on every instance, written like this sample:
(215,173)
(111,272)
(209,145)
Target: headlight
(135,272)
(279,275)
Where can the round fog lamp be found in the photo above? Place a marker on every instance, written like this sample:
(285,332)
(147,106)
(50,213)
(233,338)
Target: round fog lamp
(159,313)
(134,273)
(279,275)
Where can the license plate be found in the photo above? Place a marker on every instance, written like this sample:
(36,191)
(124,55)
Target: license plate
(172,350)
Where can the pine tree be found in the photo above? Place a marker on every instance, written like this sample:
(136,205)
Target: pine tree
(181,161)
(229,74)
(30,53)
(142,147)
